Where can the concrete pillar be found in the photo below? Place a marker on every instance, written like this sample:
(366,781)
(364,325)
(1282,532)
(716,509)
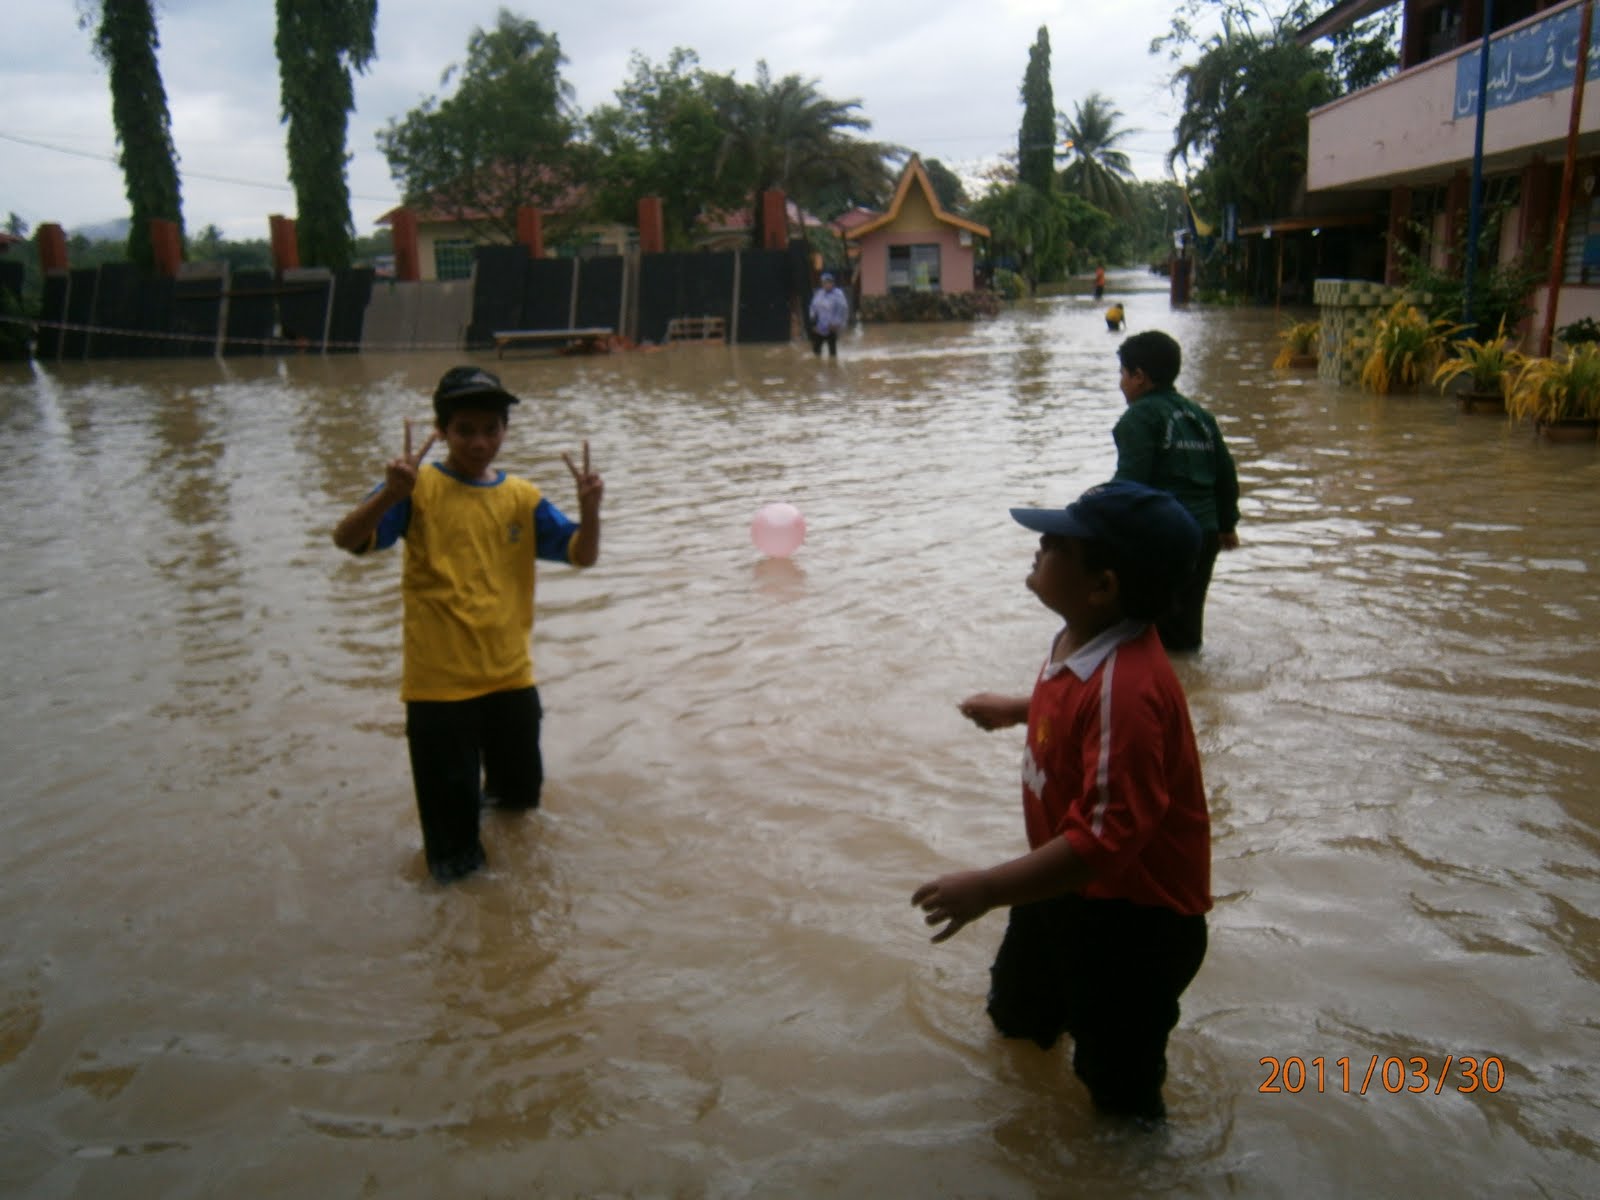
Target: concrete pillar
(1399,214)
(774,220)
(166,247)
(52,243)
(1537,207)
(652,226)
(285,249)
(407,251)
(1457,209)
(530,231)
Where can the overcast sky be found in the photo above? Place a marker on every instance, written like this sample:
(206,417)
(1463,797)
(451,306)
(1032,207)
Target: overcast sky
(941,77)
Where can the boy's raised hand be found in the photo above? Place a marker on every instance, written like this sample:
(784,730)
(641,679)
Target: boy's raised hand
(400,476)
(590,486)
(990,711)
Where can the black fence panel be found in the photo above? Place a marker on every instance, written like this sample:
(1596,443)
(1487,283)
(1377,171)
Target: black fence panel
(303,312)
(500,281)
(80,310)
(599,292)
(53,311)
(252,313)
(547,303)
(352,291)
(196,316)
(117,310)
(766,288)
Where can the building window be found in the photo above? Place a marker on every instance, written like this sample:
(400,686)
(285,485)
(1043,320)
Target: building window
(452,258)
(914,268)
(1582,260)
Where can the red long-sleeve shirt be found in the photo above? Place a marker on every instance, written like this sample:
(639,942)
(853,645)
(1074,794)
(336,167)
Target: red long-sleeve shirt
(1111,765)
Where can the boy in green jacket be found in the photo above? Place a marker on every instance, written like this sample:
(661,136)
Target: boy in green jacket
(1166,441)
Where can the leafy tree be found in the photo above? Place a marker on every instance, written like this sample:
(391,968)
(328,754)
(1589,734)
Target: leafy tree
(656,140)
(784,134)
(1248,92)
(319,44)
(1246,100)
(16,226)
(125,39)
(503,141)
(1096,169)
(1036,138)
(947,186)
(1043,236)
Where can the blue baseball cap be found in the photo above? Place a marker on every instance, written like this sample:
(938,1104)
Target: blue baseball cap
(1149,534)
(827,277)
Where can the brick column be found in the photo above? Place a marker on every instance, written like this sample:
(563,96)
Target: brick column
(285,249)
(530,231)
(774,220)
(407,252)
(652,226)
(166,246)
(52,243)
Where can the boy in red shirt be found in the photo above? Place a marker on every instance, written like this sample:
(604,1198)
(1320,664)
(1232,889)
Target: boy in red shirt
(1107,923)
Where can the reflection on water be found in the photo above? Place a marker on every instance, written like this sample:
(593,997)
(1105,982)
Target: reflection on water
(696,971)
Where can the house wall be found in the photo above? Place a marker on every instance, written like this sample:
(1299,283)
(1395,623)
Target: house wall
(955,260)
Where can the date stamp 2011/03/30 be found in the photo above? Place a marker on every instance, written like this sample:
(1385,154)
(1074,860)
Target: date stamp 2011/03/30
(1464,1073)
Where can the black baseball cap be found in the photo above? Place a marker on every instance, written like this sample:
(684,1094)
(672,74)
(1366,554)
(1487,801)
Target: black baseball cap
(1147,532)
(460,386)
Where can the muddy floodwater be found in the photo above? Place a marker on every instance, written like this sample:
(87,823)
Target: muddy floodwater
(696,972)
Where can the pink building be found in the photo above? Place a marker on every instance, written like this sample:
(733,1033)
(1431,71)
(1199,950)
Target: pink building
(916,246)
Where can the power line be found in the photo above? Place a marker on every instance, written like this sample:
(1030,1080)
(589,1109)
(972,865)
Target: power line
(110,158)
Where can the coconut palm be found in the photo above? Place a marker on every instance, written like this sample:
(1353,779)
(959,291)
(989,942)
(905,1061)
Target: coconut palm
(1096,170)
(783,134)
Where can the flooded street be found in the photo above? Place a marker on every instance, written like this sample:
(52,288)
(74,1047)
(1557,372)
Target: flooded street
(696,972)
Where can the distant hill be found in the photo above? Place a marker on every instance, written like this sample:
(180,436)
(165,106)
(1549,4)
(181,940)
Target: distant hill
(104,231)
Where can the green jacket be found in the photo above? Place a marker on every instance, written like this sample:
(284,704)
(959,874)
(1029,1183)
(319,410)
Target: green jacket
(1168,442)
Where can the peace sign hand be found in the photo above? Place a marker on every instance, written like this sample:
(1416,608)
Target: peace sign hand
(400,476)
(590,486)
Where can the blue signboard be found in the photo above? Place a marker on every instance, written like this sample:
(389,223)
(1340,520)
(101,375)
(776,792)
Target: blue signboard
(1532,61)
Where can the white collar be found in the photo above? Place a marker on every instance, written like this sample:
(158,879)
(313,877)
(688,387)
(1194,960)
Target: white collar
(1086,659)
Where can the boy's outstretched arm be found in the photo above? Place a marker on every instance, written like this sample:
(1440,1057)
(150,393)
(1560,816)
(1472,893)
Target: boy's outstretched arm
(355,532)
(962,897)
(988,710)
(591,488)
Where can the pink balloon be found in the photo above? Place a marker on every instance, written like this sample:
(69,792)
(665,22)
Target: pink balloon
(778,530)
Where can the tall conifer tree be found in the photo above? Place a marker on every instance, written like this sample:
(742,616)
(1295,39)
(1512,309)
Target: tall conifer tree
(125,39)
(319,44)
(1036,141)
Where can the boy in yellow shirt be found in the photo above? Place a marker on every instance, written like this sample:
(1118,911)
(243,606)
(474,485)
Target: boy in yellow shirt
(472,533)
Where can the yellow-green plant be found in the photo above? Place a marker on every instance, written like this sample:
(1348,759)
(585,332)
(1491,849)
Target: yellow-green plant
(1557,389)
(1299,338)
(1490,364)
(1403,348)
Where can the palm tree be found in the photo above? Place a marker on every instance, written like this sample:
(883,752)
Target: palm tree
(1096,170)
(785,135)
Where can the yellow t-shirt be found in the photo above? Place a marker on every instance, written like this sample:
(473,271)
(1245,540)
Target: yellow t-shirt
(468,581)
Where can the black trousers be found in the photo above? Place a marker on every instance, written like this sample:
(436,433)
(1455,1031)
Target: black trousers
(464,752)
(1184,626)
(1108,974)
(831,340)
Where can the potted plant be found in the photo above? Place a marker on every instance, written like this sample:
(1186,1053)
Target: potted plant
(1403,348)
(1300,342)
(1487,365)
(1561,396)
